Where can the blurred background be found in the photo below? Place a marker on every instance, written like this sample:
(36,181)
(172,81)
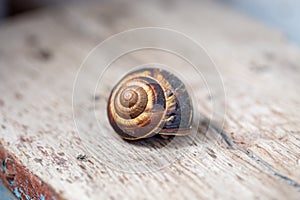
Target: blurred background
(283,15)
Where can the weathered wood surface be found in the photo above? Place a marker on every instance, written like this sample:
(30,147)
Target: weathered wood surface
(257,157)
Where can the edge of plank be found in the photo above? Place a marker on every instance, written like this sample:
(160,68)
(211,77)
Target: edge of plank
(23,183)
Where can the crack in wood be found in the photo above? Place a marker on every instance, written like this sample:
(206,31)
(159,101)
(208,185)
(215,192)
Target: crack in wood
(254,157)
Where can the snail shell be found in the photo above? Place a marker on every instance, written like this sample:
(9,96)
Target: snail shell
(147,102)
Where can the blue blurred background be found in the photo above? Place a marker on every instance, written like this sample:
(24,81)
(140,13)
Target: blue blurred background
(5,194)
(283,15)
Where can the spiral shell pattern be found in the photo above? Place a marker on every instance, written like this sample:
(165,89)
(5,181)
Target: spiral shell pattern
(149,101)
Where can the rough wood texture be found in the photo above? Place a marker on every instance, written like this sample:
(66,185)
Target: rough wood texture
(256,157)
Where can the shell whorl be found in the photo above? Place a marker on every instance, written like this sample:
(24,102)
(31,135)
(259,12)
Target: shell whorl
(149,101)
(131,101)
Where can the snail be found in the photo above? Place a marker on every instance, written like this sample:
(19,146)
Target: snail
(147,102)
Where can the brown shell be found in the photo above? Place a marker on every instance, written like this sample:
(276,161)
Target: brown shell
(150,101)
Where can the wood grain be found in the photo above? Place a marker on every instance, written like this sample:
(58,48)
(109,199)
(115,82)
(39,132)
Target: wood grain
(255,156)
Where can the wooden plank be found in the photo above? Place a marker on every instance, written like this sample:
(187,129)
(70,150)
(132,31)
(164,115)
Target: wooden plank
(257,155)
